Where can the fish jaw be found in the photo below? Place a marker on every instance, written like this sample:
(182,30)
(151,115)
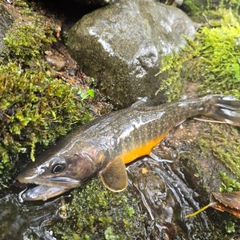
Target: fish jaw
(47,188)
(41,192)
(49,185)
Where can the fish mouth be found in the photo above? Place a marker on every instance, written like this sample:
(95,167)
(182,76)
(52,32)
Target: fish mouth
(41,192)
(46,188)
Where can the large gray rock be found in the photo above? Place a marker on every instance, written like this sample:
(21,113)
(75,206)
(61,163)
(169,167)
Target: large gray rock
(121,45)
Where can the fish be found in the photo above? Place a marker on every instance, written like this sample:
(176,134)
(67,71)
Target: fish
(104,146)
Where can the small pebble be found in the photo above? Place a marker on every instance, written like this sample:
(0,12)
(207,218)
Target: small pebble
(57,62)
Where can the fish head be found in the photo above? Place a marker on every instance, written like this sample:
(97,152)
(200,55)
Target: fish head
(56,174)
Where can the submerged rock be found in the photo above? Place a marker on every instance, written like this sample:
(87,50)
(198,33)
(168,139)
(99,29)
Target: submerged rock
(122,44)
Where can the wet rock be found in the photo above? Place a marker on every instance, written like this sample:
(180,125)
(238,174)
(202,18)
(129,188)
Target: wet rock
(22,221)
(6,21)
(122,44)
(167,198)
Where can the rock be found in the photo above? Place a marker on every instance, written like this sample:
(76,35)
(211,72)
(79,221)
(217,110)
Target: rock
(6,21)
(121,46)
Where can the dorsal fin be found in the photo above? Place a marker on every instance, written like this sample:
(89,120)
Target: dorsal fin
(114,175)
(142,102)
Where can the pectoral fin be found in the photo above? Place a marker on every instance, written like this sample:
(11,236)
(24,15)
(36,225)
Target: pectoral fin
(114,176)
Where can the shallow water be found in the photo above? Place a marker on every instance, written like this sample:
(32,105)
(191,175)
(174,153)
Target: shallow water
(168,199)
(26,220)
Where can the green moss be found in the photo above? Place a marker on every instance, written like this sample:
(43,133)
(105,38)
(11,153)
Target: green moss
(28,37)
(224,144)
(220,56)
(177,70)
(171,85)
(229,184)
(193,7)
(97,213)
(212,60)
(26,43)
(234,5)
(35,106)
(215,144)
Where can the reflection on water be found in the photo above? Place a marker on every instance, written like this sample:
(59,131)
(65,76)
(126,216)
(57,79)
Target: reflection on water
(168,199)
(26,220)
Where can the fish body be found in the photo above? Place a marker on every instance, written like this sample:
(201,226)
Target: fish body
(109,142)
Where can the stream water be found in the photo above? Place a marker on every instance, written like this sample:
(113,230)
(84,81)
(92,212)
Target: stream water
(167,198)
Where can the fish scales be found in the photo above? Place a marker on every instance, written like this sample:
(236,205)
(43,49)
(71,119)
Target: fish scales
(150,125)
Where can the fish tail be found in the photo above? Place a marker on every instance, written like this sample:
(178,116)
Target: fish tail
(226,109)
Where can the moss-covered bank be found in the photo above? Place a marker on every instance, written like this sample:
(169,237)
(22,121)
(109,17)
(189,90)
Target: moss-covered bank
(212,61)
(36,106)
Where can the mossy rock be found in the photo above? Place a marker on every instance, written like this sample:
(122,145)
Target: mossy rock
(211,60)
(97,213)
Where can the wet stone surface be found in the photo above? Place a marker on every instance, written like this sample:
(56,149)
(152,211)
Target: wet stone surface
(121,45)
(167,198)
(26,220)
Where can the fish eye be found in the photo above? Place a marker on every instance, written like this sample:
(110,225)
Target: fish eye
(58,168)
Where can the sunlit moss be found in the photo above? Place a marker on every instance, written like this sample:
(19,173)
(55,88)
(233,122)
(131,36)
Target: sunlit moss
(29,35)
(97,213)
(220,56)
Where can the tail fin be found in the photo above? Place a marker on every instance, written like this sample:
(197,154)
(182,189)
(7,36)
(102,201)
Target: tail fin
(227,109)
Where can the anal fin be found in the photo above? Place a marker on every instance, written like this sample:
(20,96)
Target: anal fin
(114,175)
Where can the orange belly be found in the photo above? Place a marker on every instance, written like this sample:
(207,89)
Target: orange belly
(143,150)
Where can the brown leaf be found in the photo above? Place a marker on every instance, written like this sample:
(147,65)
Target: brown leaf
(229,202)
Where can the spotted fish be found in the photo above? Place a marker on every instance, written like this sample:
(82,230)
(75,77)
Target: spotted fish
(103,146)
